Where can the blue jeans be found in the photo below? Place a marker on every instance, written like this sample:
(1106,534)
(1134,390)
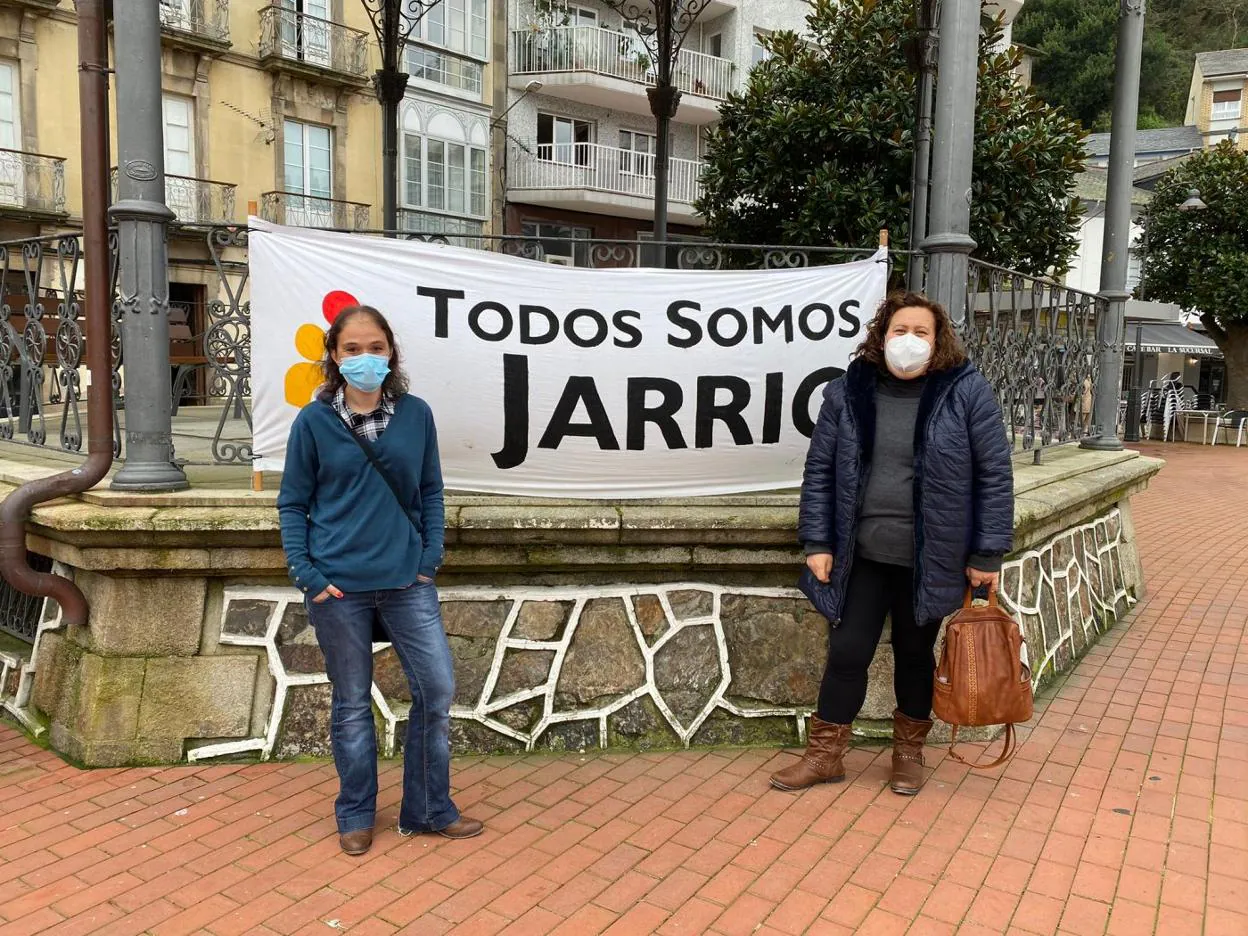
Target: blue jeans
(412,618)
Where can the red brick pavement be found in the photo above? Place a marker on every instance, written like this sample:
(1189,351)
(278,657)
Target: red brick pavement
(1125,812)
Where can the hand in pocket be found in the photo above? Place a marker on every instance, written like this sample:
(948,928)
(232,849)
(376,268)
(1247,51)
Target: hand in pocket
(330,592)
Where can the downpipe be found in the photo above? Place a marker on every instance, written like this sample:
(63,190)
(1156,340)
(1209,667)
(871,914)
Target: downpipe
(16,508)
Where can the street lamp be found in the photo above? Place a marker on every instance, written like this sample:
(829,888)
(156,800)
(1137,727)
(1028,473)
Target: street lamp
(393,22)
(1193,202)
(662,27)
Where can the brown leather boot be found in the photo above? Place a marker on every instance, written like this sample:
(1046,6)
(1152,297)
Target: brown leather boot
(822,762)
(908,738)
(356,843)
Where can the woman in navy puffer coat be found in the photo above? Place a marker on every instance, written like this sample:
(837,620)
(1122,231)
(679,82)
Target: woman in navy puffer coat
(908,496)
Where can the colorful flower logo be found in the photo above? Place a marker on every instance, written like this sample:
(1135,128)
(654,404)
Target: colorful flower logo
(303,379)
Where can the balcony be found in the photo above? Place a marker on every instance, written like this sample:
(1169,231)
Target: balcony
(311,211)
(196,201)
(32,4)
(601,180)
(461,232)
(605,68)
(196,24)
(32,184)
(292,41)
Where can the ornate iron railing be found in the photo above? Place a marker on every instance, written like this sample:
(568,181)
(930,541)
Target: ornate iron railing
(206,19)
(290,36)
(19,612)
(196,201)
(313,211)
(32,182)
(1035,341)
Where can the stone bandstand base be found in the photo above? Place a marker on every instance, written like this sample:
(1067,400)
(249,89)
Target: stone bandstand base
(574,625)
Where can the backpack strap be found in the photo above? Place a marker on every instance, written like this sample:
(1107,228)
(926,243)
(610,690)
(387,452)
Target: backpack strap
(371,454)
(1011,745)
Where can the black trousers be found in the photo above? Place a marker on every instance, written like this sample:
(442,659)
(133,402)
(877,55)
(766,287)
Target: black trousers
(875,590)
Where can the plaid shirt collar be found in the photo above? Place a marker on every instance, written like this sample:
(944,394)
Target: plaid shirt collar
(369,425)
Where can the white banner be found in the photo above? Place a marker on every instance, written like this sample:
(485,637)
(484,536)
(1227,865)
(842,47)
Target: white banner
(562,382)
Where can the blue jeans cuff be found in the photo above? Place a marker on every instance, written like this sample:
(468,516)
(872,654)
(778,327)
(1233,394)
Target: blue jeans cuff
(441,821)
(356,824)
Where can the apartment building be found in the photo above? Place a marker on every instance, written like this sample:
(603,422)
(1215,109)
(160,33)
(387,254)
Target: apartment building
(1215,102)
(580,138)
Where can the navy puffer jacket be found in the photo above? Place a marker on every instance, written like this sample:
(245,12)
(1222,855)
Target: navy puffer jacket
(963,484)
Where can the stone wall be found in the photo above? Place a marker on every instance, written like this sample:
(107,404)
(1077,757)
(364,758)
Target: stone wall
(585,642)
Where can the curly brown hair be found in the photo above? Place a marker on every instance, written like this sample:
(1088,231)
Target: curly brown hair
(948,352)
(395,384)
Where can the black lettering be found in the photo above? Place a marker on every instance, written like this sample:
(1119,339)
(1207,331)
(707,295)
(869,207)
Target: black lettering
(773,405)
(527,312)
(578,390)
(515,413)
(802,420)
(441,306)
(623,322)
(783,318)
(829,321)
(683,321)
(730,414)
(600,328)
(727,341)
(855,323)
(662,415)
(505,324)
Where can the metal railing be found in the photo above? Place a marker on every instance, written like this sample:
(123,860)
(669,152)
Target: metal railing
(207,19)
(289,36)
(466,231)
(196,201)
(1035,341)
(599,51)
(301,210)
(32,181)
(19,612)
(593,166)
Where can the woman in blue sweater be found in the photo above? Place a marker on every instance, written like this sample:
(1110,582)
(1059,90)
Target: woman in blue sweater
(362,526)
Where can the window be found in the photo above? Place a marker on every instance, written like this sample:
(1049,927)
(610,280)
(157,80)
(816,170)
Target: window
(10,108)
(453,179)
(441,68)
(1227,105)
(180,193)
(582,16)
(637,156)
(715,45)
(760,53)
(564,140)
(561,243)
(1133,269)
(458,25)
(308,171)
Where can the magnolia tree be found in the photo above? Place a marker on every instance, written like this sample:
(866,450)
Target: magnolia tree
(818,147)
(1199,259)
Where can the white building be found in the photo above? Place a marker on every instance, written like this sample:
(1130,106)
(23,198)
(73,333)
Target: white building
(580,136)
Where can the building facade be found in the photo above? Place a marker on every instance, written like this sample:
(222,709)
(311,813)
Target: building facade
(1215,101)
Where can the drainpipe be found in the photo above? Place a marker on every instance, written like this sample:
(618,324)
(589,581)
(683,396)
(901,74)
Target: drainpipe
(15,511)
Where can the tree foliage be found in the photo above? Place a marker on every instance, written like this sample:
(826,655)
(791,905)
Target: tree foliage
(818,147)
(1075,43)
(1199,259)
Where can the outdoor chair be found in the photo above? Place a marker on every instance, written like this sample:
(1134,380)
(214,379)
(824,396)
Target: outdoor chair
(1232,420)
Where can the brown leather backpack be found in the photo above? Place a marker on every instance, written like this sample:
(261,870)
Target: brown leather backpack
(981,679)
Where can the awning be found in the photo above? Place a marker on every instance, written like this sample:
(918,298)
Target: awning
(1160,338)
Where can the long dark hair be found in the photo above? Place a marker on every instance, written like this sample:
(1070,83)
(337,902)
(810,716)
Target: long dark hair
(395,385)
(948,351)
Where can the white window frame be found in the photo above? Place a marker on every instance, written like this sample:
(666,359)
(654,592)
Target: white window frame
(1230,110)
(467,19)
(554,151)
(637,161)
(758,54)
(307,212)
(13,168)
(179,196)
(424,162)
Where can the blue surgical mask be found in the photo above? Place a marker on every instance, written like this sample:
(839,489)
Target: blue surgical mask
(365,372)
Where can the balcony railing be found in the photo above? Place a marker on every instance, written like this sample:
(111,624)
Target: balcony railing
(616,55)
(430,222)
(608,169)
(32,182)
(296,38)
(203,19)
(312,211)
(196,201)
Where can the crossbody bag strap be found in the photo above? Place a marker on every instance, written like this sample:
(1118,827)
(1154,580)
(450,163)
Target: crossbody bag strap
(367,448)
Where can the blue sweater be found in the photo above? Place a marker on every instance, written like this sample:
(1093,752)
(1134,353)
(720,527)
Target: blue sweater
(341,524)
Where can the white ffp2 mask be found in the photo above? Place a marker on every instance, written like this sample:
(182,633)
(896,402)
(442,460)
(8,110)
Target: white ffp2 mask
(907,353)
